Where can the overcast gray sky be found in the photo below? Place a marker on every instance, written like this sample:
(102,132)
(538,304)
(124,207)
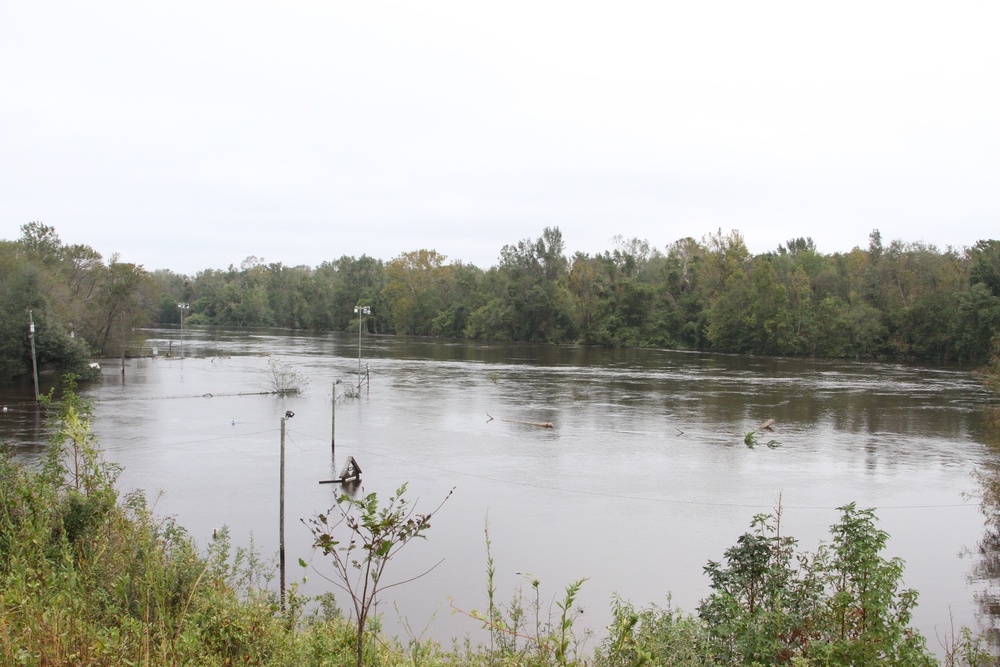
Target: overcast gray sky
(190,135)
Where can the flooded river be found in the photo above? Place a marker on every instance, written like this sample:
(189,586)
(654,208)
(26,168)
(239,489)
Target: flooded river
(643,477)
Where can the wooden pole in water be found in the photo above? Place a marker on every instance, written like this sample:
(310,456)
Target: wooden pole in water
(333,423)
(281,520)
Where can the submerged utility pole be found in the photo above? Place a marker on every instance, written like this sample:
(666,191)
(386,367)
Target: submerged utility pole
(183,307)
(361,311)
(281,520)
(34,360)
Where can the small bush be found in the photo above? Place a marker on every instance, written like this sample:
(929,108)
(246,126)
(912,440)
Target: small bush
(282,379)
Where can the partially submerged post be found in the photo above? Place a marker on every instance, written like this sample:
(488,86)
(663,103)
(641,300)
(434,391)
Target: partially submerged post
(281,520)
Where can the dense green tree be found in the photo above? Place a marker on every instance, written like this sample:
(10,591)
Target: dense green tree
(123,302)
(170,289)
(801,324)
(22,299)
(41,242)
(287,290)
(985,265)
(207,301)
(413,291)
(322,298)
(627,312)
(680,293)
(975,324)
(462,294)
(244,296)
(588,284)
(360,281)
(635,304)
(725,255)
(529,301)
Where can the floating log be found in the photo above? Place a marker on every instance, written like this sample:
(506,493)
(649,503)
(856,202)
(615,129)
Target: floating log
(351,472)
(767,425)
(538,424)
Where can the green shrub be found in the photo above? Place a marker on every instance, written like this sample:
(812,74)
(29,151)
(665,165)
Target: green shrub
(843,605)
(653,636)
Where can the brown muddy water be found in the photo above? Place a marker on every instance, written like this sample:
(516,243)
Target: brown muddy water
(643,478)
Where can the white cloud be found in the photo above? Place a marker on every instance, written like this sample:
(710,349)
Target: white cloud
(190,135)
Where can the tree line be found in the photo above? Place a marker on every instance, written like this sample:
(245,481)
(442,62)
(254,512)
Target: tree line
(893,301)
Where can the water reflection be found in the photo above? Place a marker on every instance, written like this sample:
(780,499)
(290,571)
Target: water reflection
(986,573)
(986,568)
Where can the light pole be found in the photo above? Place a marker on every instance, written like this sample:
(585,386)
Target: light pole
(182,307)
(281,509)
(361,311)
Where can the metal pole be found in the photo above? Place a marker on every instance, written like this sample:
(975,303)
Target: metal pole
(281,520)
(333,423)
(182,307)
(361,311)
(34,360)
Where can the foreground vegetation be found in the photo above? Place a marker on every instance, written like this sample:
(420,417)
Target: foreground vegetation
(88,576)
(904,301)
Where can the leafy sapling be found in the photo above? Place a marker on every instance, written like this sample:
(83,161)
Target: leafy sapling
(361,538)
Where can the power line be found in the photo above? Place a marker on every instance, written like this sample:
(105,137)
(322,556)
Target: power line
(203,440)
